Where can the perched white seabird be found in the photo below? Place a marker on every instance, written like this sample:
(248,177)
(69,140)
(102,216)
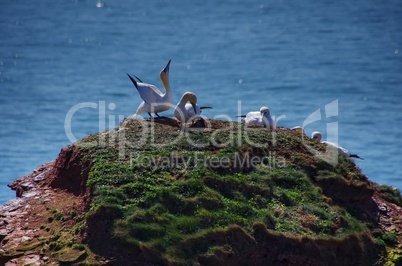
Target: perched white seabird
(263,117)
(187,107)
(154,101)
(298,129)
(316,135)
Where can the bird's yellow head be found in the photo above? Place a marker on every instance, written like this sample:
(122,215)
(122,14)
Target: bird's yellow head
(190,97)
(264,111)
(316,135)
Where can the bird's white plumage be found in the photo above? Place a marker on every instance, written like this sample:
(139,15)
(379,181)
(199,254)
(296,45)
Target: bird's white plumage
(187,107)
(298,129)
(336,146)
(262,117)
(316,135)
(149,93)
(190,110)
(154,101)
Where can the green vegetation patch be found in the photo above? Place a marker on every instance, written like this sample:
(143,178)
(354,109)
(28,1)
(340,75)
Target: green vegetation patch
(390,194)
(171,196)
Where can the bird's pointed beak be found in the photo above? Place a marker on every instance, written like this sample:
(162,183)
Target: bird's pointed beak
(132,80)
(164,75)
(166,69)
(194,107)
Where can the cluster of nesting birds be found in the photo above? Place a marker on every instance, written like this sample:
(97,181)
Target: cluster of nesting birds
(155,102)
(187,109)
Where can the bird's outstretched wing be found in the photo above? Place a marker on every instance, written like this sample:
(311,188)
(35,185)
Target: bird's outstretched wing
(148,92)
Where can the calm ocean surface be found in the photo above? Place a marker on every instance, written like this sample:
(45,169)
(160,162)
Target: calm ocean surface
(293,56)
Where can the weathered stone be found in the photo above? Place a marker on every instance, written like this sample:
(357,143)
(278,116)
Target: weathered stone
(6,255)
(28,260)
(3,234)
(40,177)
(71,255)
(28,245)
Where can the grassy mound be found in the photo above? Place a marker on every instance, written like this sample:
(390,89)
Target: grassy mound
(223,194)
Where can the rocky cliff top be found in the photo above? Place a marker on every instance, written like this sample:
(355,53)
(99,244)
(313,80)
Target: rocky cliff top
(149,193)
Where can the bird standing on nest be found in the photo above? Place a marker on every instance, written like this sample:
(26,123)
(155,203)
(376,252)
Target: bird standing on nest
(154,101)
(317,136)
(187,109)
(263,117)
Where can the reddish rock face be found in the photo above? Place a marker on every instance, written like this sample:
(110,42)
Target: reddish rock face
(18,224)
(70,171)
(28,223)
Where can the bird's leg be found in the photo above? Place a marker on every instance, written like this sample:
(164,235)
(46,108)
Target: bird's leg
(181,125)
(150,116)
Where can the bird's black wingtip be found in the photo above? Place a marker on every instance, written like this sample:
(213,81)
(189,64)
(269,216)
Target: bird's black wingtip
(139,80)
(355,156)
(132,80)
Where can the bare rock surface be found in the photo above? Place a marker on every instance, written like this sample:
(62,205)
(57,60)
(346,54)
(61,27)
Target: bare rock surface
(32,223)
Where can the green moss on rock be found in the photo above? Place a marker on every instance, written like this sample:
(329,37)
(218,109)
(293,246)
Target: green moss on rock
(222,194)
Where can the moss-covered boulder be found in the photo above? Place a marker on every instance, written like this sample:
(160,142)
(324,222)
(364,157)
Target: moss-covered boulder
(222,194)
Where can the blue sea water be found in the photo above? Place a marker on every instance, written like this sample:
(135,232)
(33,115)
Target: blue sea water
(294,56)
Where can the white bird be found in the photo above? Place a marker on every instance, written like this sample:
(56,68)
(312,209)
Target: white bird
(263,117)
(187,107)
(298,129)
(154,101)
(317,136)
